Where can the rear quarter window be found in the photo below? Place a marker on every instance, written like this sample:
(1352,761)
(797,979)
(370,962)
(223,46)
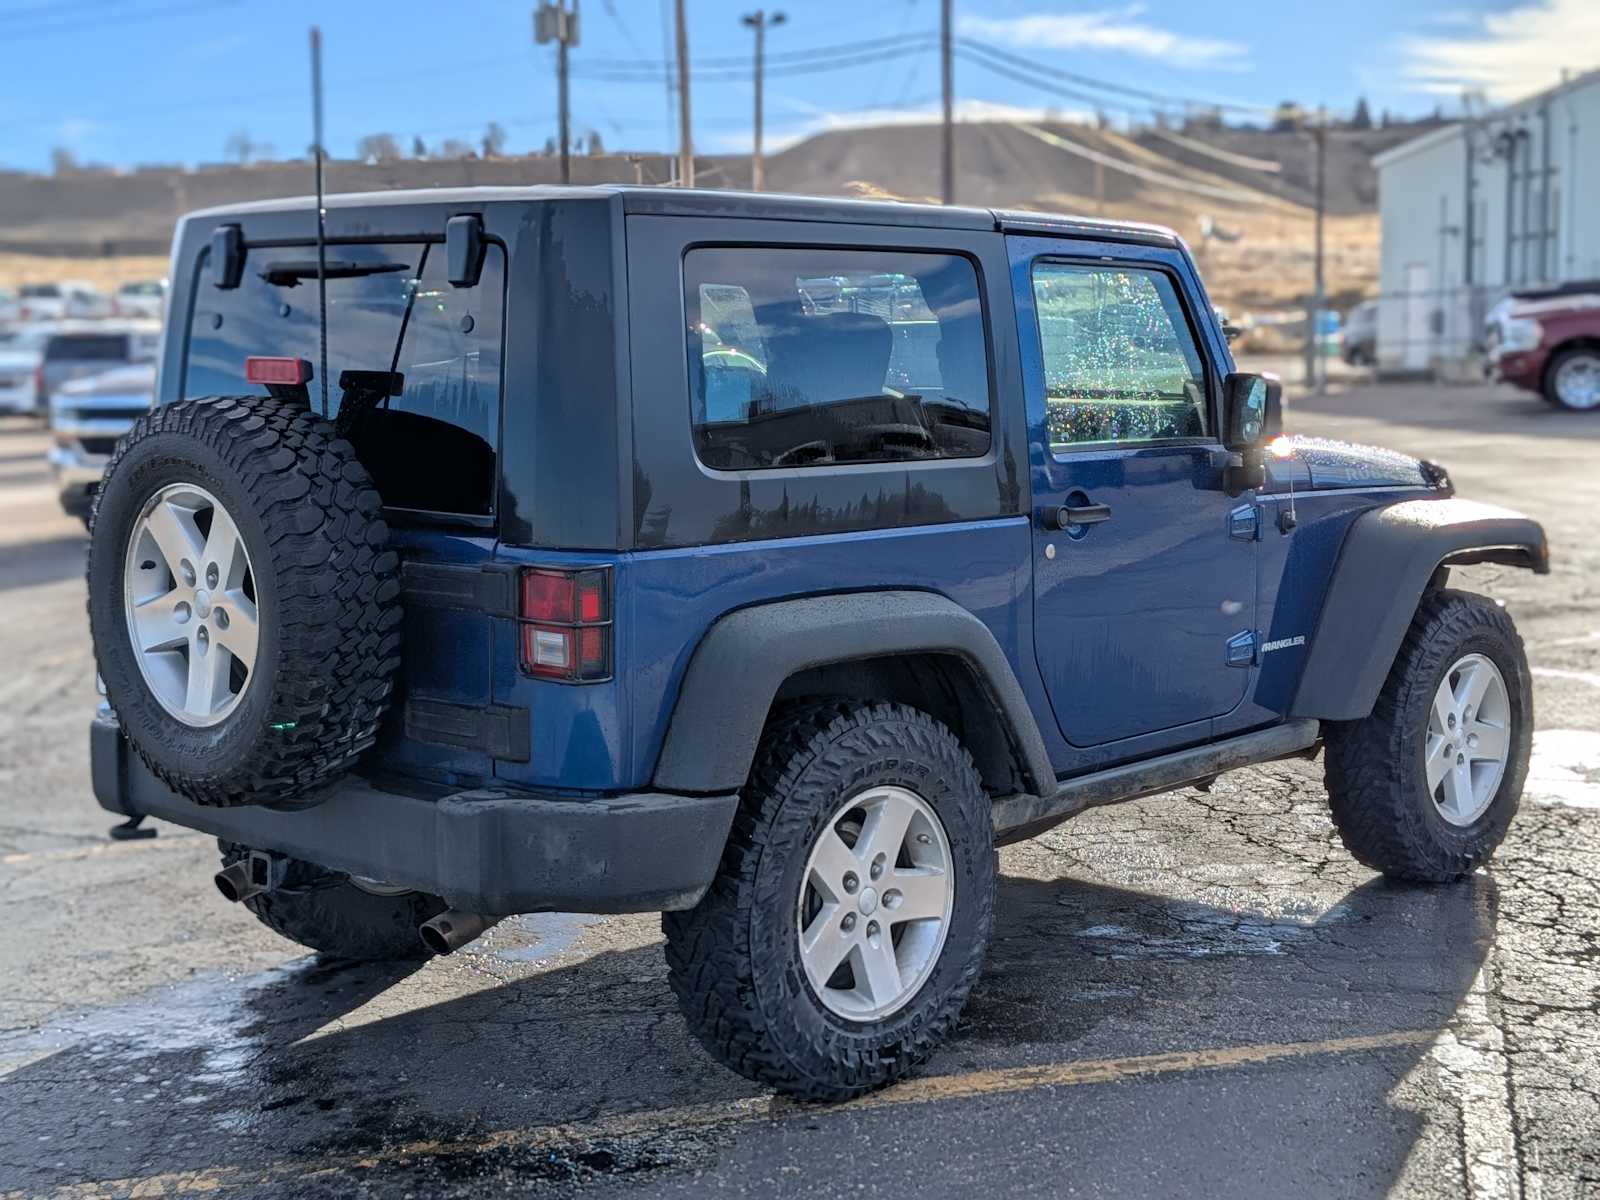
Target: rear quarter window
(803,357)
(432,447)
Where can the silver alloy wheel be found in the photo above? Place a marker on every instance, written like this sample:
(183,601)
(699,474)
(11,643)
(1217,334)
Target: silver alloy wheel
(875,903)
(1469,739)
(190,600)
(1577,381)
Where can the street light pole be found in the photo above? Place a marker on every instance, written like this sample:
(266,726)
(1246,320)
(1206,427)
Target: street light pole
(947,69)
(685,137)
(760,22)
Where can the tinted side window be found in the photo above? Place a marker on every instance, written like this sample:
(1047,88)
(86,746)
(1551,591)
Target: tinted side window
(88,347)
(1120,364)
(433,446)
(804,357)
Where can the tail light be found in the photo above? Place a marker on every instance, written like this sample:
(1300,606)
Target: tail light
(38,385)
(565,623)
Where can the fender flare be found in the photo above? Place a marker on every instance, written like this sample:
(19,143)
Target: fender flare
(746,656)
(1388,556)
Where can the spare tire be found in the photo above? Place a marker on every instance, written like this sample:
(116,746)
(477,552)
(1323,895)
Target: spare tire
(243,599)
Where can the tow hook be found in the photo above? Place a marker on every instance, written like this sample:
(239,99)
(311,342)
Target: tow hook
(259,871)
(452,930)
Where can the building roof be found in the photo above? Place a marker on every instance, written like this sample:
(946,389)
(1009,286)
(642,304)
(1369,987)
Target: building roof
(1436,137)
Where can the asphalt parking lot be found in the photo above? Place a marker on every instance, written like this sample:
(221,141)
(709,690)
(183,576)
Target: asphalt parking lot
(1197,994)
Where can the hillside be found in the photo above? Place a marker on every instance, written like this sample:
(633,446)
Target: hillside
(117,225)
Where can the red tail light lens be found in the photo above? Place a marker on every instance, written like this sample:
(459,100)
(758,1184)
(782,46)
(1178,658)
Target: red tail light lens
(566,624)
(277,370)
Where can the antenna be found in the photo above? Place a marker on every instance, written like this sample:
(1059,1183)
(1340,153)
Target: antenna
(322,228)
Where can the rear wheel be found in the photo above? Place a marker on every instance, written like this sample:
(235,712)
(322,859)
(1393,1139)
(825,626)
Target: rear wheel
(852,912)
(341,916)
(1572,380)
(1425,787)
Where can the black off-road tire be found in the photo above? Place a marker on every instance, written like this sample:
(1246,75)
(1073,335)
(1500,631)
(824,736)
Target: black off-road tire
(1549,386)
(734,961)
(1375,770)
(323,911)
(327,591)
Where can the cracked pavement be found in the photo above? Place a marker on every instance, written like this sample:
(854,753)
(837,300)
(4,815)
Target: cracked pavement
(1196,994)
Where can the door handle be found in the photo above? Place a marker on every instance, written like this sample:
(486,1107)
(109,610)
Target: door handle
(1076,514)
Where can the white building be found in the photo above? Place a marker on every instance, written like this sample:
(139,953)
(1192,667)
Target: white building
(1506,200)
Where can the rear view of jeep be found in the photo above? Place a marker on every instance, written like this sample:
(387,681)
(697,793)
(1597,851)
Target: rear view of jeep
(759,561)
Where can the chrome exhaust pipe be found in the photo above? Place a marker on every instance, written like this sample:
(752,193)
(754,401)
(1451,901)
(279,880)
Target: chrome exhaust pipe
(236,882)
(452,930)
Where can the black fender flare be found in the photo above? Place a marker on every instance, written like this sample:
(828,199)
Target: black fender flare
(746,656)
(1388,556)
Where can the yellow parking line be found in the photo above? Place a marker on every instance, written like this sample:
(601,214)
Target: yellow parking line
(689,1117)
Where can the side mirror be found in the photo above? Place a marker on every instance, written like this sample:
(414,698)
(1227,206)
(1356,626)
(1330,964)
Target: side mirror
(1253,416)
(463,245)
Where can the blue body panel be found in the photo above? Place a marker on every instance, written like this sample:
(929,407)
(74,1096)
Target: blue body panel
(1133,615)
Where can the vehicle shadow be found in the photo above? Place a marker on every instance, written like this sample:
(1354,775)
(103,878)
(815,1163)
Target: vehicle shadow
(320,1074)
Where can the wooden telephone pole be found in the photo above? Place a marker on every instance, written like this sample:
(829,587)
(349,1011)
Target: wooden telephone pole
(760,21)
(554,22)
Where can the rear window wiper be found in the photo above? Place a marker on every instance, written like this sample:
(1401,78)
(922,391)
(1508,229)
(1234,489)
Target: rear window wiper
(290,274)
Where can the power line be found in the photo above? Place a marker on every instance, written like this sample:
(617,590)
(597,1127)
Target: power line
(122,18)
(1051,73)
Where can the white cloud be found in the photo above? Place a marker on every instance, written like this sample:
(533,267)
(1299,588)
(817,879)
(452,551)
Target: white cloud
(73,132)
(1118,30)
(1508,54)
(966,112)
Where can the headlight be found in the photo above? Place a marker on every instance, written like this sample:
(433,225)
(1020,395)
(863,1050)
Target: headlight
(1520,333)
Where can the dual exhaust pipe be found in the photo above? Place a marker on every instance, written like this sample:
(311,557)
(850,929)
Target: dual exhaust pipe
(260,872)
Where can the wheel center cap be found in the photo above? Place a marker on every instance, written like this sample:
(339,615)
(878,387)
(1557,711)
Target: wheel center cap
(869,902)
(202,604)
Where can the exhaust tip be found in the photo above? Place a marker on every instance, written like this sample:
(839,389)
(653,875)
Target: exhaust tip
(234,882)
(451,930)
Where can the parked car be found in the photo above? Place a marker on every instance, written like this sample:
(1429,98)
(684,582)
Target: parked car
(87,416)
(142,299)
(1359,347)
(21,359)
(1549,345)
(70,299)
(772,608)
(10,309)
(75,349)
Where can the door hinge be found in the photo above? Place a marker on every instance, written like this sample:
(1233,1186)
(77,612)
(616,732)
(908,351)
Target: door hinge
(1241,651)
(1244,523)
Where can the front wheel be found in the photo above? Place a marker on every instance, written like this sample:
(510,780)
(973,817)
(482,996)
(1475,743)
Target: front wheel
(1425,787)
(1572,380)
(852,911)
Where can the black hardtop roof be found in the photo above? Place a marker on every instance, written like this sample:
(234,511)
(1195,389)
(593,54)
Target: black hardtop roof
(673,201)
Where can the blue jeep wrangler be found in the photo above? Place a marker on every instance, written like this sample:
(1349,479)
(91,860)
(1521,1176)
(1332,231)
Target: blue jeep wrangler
(758,560)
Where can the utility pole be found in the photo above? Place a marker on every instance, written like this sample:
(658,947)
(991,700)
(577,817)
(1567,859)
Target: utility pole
(554,22)
(760,22)
(685,135)
(947,70)
(1313,348)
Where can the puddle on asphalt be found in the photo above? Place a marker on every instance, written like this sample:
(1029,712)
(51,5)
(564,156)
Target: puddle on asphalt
(1190,929)
(1565,768)
(224,1026)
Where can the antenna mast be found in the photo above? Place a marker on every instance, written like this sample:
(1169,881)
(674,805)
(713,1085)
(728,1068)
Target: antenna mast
(322,227)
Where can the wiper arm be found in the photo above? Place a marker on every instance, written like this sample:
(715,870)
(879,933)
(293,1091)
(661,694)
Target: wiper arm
(289,274)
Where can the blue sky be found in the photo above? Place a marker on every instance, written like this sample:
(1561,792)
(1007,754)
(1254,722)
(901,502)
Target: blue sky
(130,81)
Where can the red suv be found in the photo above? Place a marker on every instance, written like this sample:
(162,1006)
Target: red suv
(1549,343)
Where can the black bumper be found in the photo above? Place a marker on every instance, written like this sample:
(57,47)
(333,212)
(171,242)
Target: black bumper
(489,851)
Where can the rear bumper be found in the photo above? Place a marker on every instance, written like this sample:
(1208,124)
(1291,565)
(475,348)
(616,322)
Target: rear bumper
(490,851)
